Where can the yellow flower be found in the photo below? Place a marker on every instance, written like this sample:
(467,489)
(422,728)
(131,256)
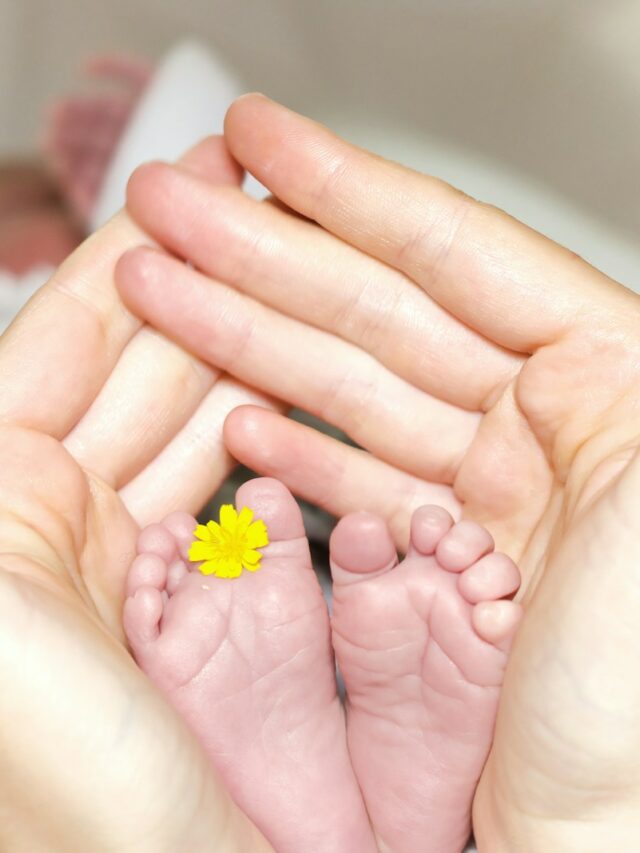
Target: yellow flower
(230,546)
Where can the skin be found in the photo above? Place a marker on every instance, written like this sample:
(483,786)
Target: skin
(519,364)
(92,445)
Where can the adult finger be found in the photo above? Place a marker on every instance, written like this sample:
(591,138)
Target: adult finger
(501,278)
(329,473)
(308,368)
(58,353)
(155,386)
(153,391)
(192,465)
(302,270)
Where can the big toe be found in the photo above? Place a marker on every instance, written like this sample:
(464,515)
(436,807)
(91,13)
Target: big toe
(361,546)
(273,503)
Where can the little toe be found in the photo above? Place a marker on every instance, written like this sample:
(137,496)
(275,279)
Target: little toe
(272,503)
(181,526)
(496,622)
(493,576)
(463,545)
(141,617)
(157,539)
(428,526)
(147,570)
(361,547)
(176,571)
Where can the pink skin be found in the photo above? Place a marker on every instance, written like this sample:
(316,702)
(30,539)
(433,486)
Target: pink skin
(422,647)
(248,663)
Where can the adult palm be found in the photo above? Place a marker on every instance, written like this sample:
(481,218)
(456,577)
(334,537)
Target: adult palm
(476,363)
(105,425)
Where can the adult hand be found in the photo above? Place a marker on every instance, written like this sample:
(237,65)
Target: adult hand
(105,424)
(414,332)
(455,346)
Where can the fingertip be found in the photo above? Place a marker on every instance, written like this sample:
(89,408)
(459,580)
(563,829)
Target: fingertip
(245,119)
(239,108)
(212,161)
(135,269)
(244,427)
(144,180)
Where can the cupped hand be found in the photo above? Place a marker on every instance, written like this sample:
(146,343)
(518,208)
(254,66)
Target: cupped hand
(475,362)
(104,425)
(477,365)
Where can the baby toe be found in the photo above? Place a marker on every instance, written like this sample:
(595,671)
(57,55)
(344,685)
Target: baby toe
(496,622)
(141,617)
(181,526)
(493,576)
(156,539)
(428,526)
(360,546)
(147,570)
(175,574)
(463,545)
(274,504)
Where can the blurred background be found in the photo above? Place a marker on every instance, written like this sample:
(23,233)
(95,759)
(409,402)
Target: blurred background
(532,105)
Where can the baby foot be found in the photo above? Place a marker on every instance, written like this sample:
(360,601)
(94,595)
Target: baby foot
(422,648)
(248,663)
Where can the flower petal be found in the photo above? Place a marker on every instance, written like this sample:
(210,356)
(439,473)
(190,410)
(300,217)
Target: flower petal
(201,532)
(257,536)
(208,568)
(228,517)
(200,551)
(215,531)
(235,568)
(244,519)
(227,567)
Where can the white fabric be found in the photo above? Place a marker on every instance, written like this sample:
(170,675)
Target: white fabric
(185,101)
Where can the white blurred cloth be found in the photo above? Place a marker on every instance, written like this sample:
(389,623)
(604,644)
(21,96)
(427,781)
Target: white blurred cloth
(185,101)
